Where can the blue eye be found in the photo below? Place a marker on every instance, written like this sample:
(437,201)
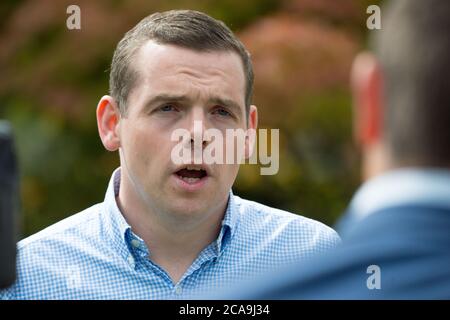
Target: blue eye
(167,108)
(222,112)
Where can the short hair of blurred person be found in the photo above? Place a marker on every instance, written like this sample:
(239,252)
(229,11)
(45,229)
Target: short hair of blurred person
(167,230)
(395,234)
(402,94)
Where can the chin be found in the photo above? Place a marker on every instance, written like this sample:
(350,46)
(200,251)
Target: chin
(189,208)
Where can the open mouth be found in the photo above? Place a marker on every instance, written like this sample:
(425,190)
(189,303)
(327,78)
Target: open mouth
(191,175)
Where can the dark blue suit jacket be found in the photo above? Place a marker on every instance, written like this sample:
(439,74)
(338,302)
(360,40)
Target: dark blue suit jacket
(410,244)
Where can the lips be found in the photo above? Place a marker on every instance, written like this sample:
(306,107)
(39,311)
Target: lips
(192,174)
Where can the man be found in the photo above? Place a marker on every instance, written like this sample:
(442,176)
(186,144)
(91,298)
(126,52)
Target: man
(167,230)
(396,235)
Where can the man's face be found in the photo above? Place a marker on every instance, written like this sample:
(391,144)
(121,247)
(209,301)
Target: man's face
(175,87)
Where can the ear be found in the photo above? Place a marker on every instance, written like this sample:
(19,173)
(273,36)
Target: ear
(366,83)
(251,131)
(108,120)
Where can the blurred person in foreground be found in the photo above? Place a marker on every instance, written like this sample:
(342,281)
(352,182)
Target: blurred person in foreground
(167,230)
(396,233)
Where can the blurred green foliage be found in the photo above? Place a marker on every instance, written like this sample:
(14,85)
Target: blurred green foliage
(51,79)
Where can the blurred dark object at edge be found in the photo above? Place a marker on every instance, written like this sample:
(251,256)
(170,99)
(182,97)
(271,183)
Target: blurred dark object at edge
(9,205)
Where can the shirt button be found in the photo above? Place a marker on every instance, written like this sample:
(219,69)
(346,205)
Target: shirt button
(178,290)
(130,260)
(135,243)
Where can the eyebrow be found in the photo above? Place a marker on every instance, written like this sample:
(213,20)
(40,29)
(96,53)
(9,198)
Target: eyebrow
(164,97)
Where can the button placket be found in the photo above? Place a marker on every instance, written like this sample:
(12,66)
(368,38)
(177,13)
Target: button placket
(178,290)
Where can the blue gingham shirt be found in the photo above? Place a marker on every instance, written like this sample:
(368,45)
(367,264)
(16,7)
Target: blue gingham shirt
(95,255)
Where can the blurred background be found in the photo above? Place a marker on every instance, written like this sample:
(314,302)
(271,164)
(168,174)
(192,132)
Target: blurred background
(51,79)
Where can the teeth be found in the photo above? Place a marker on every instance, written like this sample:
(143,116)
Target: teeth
(190,180)
(193,168)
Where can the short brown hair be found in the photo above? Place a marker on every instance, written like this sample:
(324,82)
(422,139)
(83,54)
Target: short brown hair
(185,28)
(414,50)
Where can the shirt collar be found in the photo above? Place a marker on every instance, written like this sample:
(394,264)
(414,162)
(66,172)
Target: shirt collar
(115,224)
(412,186)
(120,231)
(229,223)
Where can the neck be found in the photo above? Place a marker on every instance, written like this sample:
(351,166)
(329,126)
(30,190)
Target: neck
(376,161)
(174,242)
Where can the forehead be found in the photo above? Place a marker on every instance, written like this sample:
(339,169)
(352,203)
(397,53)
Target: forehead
(170,67)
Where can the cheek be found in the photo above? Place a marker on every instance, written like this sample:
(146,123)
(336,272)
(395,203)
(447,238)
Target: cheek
(152,152)
(234,148)
(228,174)
(139,147)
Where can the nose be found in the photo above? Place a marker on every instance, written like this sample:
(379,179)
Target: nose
(197,127)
